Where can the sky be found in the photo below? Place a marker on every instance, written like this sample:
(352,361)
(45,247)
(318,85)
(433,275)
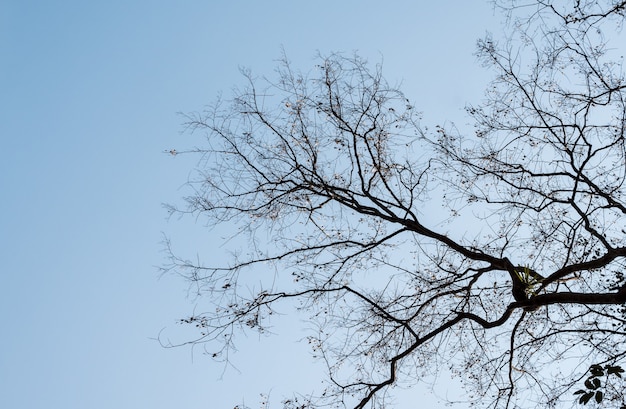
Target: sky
(89,99)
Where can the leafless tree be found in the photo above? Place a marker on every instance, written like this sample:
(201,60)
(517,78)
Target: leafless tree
(519,290)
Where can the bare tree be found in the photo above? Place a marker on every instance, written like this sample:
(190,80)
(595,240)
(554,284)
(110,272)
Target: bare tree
(519,290)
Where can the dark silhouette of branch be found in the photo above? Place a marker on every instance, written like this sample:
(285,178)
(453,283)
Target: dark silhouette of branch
(497,252)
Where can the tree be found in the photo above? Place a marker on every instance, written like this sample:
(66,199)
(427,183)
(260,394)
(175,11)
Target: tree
(520,291)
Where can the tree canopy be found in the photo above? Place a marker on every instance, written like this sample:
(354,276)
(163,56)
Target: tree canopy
(519,291)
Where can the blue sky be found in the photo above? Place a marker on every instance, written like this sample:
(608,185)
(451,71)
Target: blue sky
(89,95)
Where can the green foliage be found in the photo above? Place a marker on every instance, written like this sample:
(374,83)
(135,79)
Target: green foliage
(530,279)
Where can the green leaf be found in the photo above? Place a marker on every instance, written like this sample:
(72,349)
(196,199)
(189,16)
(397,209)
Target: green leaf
(599,396)
(578,392)
(588,384)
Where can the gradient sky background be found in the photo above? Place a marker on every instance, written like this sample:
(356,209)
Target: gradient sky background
(89,95)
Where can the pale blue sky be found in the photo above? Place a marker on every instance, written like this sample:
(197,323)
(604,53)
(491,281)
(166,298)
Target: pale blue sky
(88,98)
